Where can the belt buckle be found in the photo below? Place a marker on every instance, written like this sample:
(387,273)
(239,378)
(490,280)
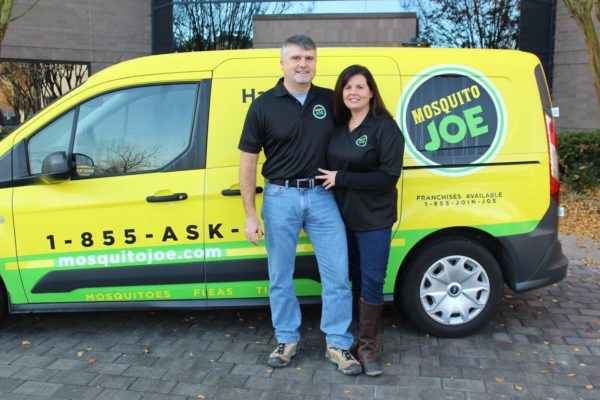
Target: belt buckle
(305,183)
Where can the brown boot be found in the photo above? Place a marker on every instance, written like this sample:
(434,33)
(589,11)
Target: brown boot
(368,341)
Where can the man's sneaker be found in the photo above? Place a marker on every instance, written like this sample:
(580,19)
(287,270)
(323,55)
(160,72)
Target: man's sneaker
(344,360)
(282,355)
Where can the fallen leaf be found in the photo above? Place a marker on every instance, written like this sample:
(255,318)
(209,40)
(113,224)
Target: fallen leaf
(200,396)
(80,354)
(146,350)
(552,361)
(499,379)
(269,370)
(571,374)
(25,342)
(582,217)
(519,388)
(577,350)
(546,342)
(227,335)
(583,365)
(588,386)
(347,391)
(388,364)
(92,360)
(258,342)
(298,369)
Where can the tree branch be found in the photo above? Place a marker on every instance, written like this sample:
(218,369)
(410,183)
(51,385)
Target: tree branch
(25,12)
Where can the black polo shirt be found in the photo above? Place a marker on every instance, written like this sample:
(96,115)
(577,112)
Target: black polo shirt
(369,163)
(293,136)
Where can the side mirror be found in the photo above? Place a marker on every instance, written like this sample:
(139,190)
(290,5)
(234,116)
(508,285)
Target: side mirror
(55,168)
(84,165)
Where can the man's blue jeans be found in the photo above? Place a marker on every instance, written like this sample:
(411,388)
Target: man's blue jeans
(369,252)
(285,212)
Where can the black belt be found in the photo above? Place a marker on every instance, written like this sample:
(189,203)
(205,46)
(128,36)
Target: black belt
(300,183)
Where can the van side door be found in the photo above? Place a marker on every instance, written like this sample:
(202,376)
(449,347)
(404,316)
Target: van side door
(243,276)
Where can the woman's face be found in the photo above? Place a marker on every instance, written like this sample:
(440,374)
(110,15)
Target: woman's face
(357,94)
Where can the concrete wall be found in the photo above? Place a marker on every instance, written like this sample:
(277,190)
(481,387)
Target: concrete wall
(573,89)
(336,30)
(99,32)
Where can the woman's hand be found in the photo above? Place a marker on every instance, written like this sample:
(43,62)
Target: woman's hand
(328,178)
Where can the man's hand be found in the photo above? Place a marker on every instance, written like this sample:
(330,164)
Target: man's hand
(253,230)
(252,227)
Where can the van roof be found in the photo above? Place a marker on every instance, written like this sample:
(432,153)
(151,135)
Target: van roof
(209,60)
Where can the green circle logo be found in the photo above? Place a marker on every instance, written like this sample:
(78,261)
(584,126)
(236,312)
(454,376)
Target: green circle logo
(453,119)
(361,141)
(319,111)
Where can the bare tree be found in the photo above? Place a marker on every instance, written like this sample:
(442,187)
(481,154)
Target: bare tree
(30,86)
(59,79)
(6,16)
(127,159)
(581,12)
(203,25)
(20,83)
(492,24)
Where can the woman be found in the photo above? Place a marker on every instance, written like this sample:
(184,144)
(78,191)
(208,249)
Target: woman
(365,160)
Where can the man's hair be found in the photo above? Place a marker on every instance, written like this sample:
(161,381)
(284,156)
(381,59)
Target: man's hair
(298,40)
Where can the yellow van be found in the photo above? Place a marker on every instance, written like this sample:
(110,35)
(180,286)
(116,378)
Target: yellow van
(124,194)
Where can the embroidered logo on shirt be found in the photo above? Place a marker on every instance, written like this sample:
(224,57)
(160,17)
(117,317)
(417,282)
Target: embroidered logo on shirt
(319,111)
(362,141)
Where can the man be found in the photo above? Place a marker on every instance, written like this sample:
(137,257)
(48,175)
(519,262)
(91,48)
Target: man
(292,123)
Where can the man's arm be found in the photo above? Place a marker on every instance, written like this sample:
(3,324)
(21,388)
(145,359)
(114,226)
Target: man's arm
(248,164)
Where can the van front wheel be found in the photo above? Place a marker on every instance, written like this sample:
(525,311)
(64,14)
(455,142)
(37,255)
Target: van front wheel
(452,288)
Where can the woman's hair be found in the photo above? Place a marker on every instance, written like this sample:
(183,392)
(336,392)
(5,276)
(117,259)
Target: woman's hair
(341,114)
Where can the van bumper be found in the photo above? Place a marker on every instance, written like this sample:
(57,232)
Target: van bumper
(535,259)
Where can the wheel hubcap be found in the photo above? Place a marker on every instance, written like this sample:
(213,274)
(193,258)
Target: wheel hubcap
(454,290)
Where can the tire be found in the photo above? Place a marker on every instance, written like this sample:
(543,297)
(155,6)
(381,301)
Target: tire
(452,288)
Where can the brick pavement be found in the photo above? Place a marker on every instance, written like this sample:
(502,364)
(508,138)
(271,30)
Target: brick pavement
(542,345)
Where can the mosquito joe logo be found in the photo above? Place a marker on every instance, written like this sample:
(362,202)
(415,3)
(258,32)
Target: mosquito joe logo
(319,111)
(361,141)
(453,119)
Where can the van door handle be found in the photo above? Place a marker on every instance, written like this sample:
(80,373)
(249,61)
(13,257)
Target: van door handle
(236,192)
(171,197)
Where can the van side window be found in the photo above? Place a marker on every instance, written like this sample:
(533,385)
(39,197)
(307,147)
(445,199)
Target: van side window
(135,129)
(53,137)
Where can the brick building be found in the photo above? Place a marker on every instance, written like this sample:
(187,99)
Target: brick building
(101,33)
(573,88)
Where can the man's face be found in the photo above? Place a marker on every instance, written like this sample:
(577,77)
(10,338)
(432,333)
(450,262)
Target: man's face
(299,65)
